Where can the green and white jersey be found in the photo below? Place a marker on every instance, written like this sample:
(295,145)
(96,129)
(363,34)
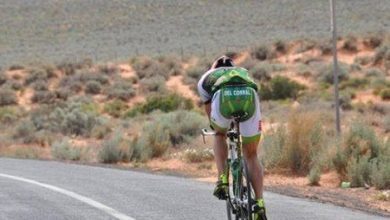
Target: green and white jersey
(215,79)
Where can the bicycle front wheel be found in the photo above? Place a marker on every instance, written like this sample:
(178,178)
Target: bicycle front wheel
(248,193)
(229,210)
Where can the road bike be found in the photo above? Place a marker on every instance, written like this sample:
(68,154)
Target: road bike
(240,196)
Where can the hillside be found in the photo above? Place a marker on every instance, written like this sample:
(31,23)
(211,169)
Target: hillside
(100,30)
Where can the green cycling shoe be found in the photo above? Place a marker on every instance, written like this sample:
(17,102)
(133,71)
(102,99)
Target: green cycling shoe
(221,188)
(259,210)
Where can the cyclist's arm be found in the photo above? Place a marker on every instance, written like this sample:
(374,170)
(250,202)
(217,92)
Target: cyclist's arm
(207,108)
(204,94)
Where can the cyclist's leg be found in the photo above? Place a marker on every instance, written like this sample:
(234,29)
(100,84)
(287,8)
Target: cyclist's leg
(251,131)
(220,125)
(254,167)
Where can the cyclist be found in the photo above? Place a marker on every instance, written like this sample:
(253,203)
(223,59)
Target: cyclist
(226,89)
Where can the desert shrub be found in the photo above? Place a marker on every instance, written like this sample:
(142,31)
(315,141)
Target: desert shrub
(152,144)
(50,70)
(379,84)
(340,162)
(305,45)
(386,123)
(15,85)
(25,130)
(355,67)
(70,68)
(16,67)
(326,47)
(345,99)
(115,108)
(274,143)
(262,52)
(358,171)
(63,93)
(385,94)
(163,102)
(108,69)
(17,76)
(93,87)
(280,87)
(198,155)
(374,72)
(36,74)
(298,146)
(193,73)
(303,70)
(12,84)
(172,63)
(146,67)
(31,152)
(326,73)
(72,83)
(265,68)
(314,176)
(8,114)
(249,63)
(305,139)
(154,84)
(350,44)
(381,108)
(67,68)
(380,172)
(40,85)
(86,76)
(3,78)
(101,131)
(382,54)
(63,150)
(357,83)
(166,130)
(72,119)
(363,60)
(7,97)
(361,153)
(372,41)
(261,72)
(280,46)
(183,125)
(116,149)
(362,140)
(43,97)
(120,90)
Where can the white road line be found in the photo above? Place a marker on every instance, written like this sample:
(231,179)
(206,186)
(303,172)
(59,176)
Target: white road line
(76,196)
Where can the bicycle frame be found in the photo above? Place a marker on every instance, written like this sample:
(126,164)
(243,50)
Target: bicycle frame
(235,166)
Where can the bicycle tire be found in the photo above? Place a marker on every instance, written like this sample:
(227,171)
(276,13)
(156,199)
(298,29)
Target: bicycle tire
(249,191)
(229,210)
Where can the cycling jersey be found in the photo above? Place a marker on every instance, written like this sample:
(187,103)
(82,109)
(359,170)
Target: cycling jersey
(215,79)
(232,92)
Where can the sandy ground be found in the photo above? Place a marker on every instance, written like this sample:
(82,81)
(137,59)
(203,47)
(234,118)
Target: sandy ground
(175,84)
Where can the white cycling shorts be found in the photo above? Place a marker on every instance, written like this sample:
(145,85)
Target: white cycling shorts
(249,129)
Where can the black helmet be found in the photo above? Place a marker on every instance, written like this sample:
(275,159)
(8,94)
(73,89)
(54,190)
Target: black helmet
(223,61)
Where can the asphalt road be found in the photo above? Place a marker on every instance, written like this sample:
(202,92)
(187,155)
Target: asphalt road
(52,190)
